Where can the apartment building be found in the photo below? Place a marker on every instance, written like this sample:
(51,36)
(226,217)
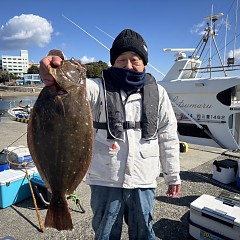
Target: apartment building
(18,65)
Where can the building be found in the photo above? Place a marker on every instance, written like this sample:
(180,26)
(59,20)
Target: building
(17,65)
(30,64)
(31,79)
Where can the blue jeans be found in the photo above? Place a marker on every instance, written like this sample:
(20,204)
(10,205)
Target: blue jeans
(110,205)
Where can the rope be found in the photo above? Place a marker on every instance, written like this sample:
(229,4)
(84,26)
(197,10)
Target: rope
(76,200)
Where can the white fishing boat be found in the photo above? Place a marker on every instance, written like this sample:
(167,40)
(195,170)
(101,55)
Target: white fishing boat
(20,112)
(207,108)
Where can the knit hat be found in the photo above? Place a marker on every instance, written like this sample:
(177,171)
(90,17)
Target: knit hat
(128,40)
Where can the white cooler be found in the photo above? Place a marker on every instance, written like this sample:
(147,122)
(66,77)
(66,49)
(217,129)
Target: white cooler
(214,218)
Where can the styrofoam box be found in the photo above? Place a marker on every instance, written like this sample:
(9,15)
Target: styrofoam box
(214,218)
(225,171)
(14,186)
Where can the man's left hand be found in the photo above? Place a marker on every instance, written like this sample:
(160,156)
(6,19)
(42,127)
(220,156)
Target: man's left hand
(173,190)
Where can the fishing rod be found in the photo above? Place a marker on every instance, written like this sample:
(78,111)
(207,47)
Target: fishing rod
(85,32)
(101,42)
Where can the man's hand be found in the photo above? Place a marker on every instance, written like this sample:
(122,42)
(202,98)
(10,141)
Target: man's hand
(53,61)
(173,190)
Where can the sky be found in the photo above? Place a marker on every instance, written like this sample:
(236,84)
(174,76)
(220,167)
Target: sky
(85,29)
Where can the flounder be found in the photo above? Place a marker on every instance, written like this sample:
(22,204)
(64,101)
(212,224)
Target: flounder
(60,138)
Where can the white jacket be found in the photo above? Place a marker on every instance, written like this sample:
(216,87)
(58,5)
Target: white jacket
(133,162)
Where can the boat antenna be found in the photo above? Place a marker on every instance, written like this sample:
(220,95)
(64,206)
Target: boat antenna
(211,32)
(225,42)
(235,33)
(210,29)
(148,63)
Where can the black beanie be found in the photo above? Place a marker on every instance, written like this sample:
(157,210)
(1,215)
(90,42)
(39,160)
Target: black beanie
(128,40)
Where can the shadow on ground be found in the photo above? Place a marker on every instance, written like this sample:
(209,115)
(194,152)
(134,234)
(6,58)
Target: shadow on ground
(166,229)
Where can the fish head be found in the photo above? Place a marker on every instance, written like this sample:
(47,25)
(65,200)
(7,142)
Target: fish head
(69,74)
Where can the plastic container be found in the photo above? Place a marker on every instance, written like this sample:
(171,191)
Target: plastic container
(214,218)
(225,171)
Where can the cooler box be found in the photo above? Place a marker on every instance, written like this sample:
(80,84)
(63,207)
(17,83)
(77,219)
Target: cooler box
(14,186)
(225,171)
(214,218)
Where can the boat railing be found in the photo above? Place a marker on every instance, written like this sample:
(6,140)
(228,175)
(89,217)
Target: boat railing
(213,69)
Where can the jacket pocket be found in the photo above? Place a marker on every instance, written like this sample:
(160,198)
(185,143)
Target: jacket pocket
(149,148)
(105,164)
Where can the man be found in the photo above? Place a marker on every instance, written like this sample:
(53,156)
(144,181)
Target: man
(135,135)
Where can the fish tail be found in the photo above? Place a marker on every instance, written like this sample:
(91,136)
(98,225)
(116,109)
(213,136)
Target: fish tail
(58,214)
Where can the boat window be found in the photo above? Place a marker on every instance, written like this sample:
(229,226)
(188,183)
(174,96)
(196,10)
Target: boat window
(224,97)
(191,70)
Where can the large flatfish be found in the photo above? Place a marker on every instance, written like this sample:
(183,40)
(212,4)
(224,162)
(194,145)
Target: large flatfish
(60,138)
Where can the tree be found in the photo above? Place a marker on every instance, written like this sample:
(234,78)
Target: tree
(13,76)
(94,69)
(33,70)
(4,77)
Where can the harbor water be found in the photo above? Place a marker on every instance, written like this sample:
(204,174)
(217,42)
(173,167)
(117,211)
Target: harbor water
(7,102)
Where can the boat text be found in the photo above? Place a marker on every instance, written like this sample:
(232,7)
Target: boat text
(183,104)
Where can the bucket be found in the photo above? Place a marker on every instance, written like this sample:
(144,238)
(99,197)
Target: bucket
(3,162)
(225,171)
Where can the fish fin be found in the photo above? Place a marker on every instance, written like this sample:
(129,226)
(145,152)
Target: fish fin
(58,215)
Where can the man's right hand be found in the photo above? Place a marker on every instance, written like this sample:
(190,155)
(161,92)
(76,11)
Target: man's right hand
(45,63)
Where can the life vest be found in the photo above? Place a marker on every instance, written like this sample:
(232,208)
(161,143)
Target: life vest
(115,112)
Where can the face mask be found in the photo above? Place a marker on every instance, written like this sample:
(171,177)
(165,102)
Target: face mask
(127,80)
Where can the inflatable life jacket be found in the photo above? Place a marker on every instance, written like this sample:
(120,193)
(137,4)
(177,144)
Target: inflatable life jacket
(115,111)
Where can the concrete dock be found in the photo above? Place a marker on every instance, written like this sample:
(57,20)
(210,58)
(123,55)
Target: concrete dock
(20,221)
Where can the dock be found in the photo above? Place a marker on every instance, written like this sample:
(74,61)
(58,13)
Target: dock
(20,221)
